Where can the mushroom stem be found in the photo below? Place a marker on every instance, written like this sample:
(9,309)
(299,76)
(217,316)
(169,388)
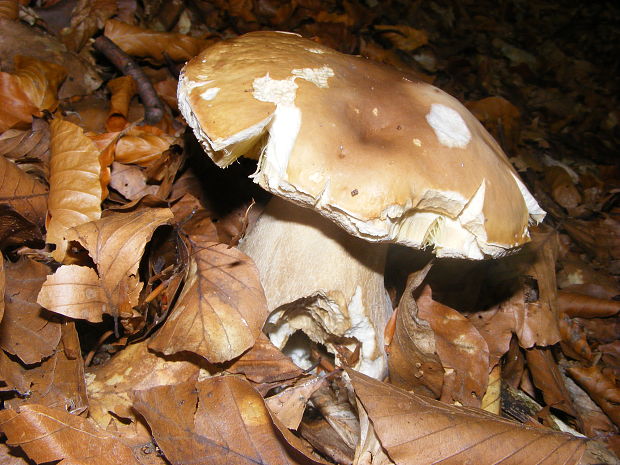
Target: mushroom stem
(322,281)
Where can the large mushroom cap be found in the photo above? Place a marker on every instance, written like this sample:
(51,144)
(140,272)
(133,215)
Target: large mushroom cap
(388,158)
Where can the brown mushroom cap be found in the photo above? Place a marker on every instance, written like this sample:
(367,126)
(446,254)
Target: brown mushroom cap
(387,158)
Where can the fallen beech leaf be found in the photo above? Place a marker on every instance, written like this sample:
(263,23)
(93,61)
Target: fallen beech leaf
(603,330)
(574,342)
(116,244)
(537,324)
(321,436)
(26,331)
(2,286)
(56,382)
(403,37)
(40,80)
(32,144)
(463,352)
(142,148)
(47,434)
(264,363)
(167,91)
(17,38)
(412,359)
(289,405)
(497,325)
(500,117)
(600,237)
(221,309)
(75,191)
(546,376)
(602,389)
(491,402)
(22,192)
(9,9)
(561,187)
(133,368)
(86,19)
(147,43)
(221,420)
(585,306)
(123,89)
(418,430)
(16,109)
(130,181)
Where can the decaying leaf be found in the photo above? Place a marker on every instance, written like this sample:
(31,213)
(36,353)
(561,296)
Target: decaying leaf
(289,405)
(22,192)
(142,147)
(585,306)
(130,181)
(39,80)
(123,89)
(418,430)
(601,389)
(86,18)
(75,189)
(501,118)
(403,37)
(221,309)
(463,352)
(27,331)
(147,43)
(16,109)
(46,434)
(221,420)
(116,244)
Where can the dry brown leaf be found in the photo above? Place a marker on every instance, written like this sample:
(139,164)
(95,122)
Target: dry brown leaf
(321,436)
(56,382)
(26,331)
(147,43)
(403,37)
(546,376)
(167,91)
(123,89)
(16,109)
(47,434)
(574,342)
(561,186)
(600,237)
(585,306)
(87,17)
(491,402)
(130,181)
(501,118)
(221,420)
(30,148)
(116,244)
(537,324)
(221,309)
(22,192)
(463,352)
(133,368)
(497,325)
(17,38)
(2,286)
(289,405)
(141,147)
(602,389)
(16,231)
(264,363)
(418,430)
(75,189)
(9,9)
(40,80)
(603,330)
(412,360)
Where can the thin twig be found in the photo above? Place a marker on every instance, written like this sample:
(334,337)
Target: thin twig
(153,108)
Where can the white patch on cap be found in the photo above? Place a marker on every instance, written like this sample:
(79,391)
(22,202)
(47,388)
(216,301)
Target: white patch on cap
(315,50)
(449,126)
(210,94)
(278,91)
(417,142)
(317,76)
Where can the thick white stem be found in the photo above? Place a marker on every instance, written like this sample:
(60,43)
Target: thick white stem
(319,279)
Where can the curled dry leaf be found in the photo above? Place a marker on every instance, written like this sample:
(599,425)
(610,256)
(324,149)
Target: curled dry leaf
(561,187)
(31,144)
(500,117)
(141,147)
(75,190)
(167,91)
(46,434)
(116,244)
(22,192)
(289,405)
(221,420)
(412,360)
(585,306)
(16,109)
(418,430)
(601,388)
(40,80)
(547,377)
(147,43)
(403,37)
(600,237)
(130,181)
(123,89)
(221,309)
(26,331)
(86,19)
(574,342)
(463,352)
(56,382)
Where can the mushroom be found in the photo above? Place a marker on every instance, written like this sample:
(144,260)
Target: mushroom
(357,156)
